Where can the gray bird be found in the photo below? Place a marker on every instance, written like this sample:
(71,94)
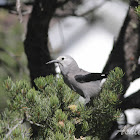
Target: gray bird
(86,84)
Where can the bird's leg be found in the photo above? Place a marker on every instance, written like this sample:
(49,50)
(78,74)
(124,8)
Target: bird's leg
(87,100)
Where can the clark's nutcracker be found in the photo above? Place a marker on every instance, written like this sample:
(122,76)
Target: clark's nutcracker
(86,84)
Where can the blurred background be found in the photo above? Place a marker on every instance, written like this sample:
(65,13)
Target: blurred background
(89,39)
(98,34)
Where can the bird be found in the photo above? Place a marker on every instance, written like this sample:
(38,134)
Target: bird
(86,84)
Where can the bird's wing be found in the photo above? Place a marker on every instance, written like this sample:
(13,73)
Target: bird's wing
(90,77)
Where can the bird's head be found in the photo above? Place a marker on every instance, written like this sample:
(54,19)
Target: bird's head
(64,62)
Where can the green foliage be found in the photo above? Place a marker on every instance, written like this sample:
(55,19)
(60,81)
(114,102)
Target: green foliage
(12,58)
(13,61)
(106,104)
(137,9)
(54,111)
(97,120)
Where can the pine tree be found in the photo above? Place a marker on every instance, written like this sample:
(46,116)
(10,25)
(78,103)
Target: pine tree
(53,112)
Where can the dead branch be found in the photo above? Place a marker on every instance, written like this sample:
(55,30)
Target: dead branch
(12,129)
(37,124)
(18,8)
(23,12)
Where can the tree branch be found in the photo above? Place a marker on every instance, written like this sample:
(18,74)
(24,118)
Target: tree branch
(60,4)
(126,49)
(12,129)
(18,8)
(23,12)
(132,101)
(12,4)
(37,124)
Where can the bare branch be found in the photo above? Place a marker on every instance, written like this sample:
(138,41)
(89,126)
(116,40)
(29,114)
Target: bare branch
(40,125)
(37,124)
(12,129)
(12,4)
(18,8)
(60,4)
(23,12)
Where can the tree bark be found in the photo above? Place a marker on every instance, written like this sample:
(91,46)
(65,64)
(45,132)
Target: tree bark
(132,101)
(125,53)
(36,42)
(126,50)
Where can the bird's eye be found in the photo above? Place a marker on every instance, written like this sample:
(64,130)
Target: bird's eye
(62,58)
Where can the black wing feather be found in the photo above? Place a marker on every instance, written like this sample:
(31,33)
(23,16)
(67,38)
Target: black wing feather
(90,77)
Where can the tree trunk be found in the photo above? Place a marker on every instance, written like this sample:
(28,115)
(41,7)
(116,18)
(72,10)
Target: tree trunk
(126,49)
(36,42)
(125,53)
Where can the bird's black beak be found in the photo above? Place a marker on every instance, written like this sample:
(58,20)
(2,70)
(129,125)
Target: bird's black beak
(53,61)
